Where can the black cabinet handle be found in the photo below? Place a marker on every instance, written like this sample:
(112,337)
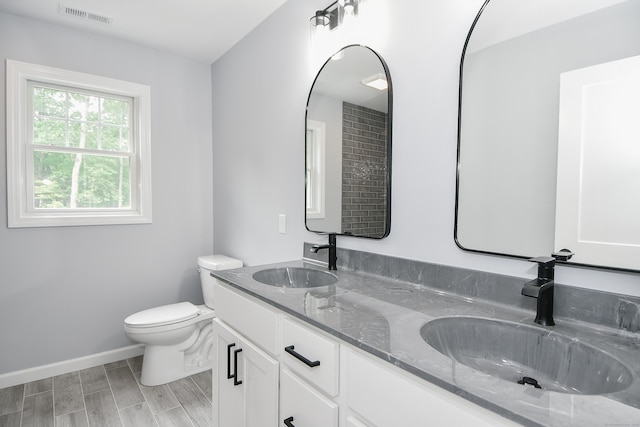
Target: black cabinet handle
(289,422)
(235,367)
(301,358)
(229,375)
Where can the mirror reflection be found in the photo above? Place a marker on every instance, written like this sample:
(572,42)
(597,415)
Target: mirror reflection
(549,137)
(348,146)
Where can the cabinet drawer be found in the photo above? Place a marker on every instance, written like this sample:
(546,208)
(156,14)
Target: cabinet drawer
(303,406)
(315,348)
(249,317)
(386,398)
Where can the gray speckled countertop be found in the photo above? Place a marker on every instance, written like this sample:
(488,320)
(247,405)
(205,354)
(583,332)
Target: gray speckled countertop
(384,317)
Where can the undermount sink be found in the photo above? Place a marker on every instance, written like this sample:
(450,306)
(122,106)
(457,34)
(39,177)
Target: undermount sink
(532,356)
(295,277)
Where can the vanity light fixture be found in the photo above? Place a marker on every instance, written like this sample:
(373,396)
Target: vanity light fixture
(320,23)
(349,7)
(334,15)
(324,20)
(377,81)
(321,19)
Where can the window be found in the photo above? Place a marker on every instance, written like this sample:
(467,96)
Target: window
(78,150)
(315,169)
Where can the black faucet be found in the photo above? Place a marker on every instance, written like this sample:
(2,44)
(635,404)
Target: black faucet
(541,288)
(333,257)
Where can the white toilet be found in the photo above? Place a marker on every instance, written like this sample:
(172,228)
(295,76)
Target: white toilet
(178,337)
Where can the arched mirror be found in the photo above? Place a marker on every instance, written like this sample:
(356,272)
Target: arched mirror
(549,131)
(348,146)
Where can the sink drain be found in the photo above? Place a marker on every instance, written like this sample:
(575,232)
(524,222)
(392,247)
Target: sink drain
(530,381)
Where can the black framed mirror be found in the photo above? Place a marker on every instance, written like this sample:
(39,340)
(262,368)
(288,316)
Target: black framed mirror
(549,136)
(348,146)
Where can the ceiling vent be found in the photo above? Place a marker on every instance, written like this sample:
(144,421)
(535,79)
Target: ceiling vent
(84,14)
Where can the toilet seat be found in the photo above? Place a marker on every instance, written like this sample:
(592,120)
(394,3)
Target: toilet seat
(163,315)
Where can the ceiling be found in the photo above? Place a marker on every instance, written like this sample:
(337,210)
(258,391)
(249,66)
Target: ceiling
(202,30)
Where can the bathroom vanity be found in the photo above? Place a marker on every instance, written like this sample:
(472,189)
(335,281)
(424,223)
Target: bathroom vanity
(257,382)
(354,349)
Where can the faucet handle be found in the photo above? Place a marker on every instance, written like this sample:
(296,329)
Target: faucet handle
(563,255)
(546,265)
(546,261)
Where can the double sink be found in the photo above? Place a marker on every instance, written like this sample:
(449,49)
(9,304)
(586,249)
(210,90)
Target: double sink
(533,356)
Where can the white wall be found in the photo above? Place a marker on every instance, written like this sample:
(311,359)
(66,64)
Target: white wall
(65,291)
(260,89)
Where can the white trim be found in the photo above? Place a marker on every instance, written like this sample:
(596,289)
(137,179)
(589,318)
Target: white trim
(66,366)
(318,130)
(19,215)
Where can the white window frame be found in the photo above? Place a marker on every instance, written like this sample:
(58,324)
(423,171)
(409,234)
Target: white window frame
(20,210)
(315,182)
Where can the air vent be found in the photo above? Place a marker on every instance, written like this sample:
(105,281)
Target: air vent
(84,14)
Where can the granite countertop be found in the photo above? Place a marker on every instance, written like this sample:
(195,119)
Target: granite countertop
(384,317)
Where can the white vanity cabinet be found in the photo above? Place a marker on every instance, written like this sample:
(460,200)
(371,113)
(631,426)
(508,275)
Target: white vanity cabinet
(245,382)
(378,395)
(246,369)
(274,370)
(309,377)
(252,318)
(311,355)
(301,405)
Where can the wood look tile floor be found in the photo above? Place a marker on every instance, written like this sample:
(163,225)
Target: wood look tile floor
(108,396)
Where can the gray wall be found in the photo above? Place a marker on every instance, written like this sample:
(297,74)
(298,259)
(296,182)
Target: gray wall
(65,291)
(258,163)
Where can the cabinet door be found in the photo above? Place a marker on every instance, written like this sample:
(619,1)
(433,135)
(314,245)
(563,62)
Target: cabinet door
(245,382)
(302,406)
(228,399)
(260,374)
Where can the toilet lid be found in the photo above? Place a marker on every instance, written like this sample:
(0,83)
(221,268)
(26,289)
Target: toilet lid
(163,315)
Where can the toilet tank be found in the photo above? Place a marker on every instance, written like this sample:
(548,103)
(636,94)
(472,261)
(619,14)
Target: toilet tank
(209,263)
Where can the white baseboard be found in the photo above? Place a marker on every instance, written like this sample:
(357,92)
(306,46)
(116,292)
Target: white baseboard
(66,366)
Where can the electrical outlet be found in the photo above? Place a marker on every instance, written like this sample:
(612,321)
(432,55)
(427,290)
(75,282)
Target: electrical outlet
(282,223)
